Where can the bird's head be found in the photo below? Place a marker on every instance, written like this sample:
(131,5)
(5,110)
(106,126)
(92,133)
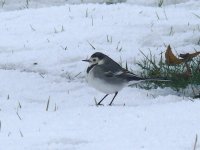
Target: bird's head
(96,59)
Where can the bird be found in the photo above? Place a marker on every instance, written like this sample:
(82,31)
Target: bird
(107,76)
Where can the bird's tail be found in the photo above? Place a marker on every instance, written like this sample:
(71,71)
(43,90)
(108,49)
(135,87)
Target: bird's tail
(131,77)
(135,79)
(157,79)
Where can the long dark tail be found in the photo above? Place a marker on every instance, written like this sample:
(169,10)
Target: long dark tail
(135,78)
(158,79)
(140,79)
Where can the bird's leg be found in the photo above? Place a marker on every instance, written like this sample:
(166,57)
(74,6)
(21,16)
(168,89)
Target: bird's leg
(99,103)
(113,98)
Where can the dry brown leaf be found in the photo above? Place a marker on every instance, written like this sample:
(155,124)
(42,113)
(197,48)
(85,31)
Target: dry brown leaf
(171,59)
(188,56)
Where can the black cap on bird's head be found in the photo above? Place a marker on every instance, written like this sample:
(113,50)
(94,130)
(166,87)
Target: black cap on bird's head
(96,58)
(98,55)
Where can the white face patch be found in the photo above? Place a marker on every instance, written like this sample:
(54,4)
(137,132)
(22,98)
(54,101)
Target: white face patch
(101,62)
(96,60)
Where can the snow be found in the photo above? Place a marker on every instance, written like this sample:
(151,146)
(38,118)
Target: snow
(40,59)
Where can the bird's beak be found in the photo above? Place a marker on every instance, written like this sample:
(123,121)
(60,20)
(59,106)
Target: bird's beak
(87,60)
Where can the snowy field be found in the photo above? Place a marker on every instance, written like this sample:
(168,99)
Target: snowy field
(40,60)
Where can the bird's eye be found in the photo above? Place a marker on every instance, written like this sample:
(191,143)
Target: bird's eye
(94,59)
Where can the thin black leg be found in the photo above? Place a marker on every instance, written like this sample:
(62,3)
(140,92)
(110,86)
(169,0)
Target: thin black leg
(113,98)
(99,103)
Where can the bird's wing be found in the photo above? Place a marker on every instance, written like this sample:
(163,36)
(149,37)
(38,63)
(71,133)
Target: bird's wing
(123,74)
(113,69)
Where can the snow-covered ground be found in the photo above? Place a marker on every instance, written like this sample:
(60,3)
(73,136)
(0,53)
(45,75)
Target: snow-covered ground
(23,4)
(40,60)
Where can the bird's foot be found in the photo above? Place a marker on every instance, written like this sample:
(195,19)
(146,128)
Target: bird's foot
(99,104)
(110,104)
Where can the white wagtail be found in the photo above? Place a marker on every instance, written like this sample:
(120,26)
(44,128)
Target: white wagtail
(107,76)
